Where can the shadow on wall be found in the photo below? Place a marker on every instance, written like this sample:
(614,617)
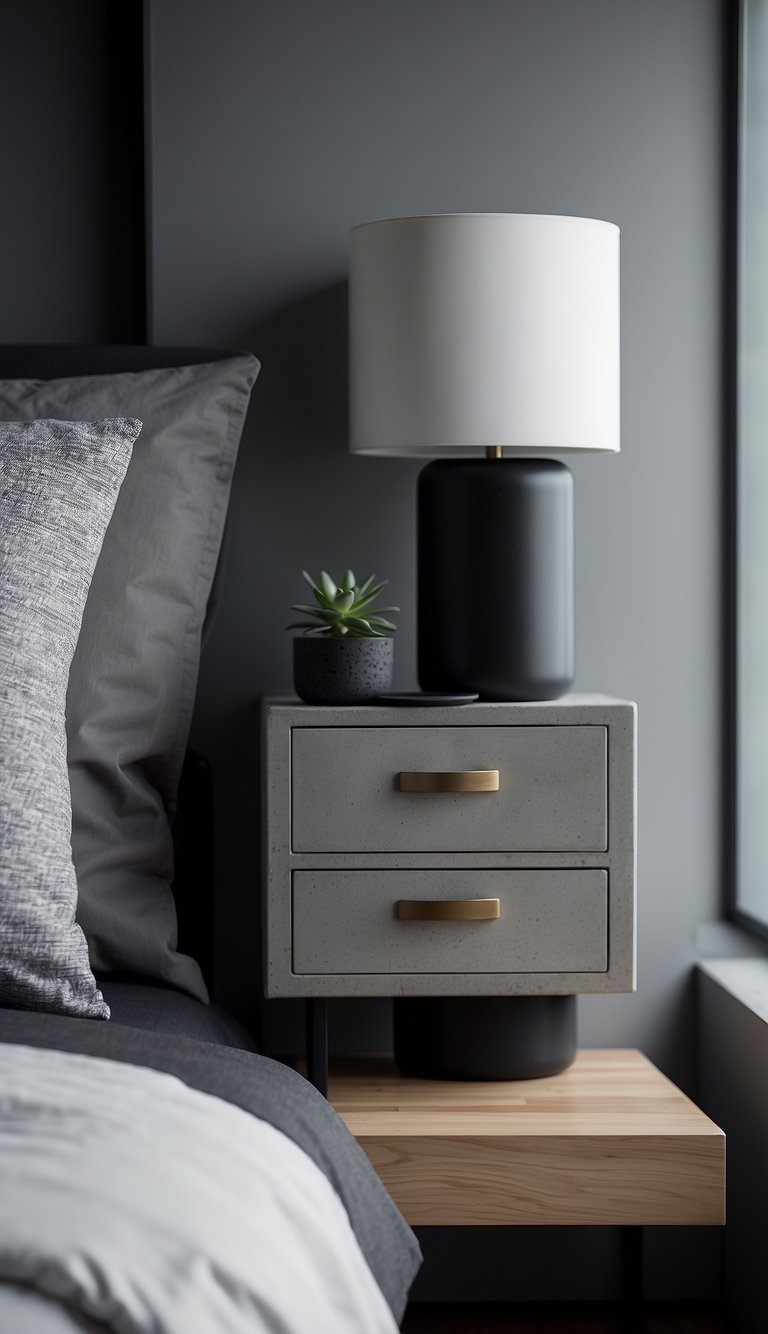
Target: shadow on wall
(291,476)
(299,501)
(302,388)
(302,501)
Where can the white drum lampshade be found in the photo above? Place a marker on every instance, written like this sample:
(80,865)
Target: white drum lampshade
(470,330)
(472,334)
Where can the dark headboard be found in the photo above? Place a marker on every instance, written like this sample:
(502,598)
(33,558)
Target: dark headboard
(49,361)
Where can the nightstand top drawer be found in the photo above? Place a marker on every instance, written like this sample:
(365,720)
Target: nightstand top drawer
(449,789)
(545,922)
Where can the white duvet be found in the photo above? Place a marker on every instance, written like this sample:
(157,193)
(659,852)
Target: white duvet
(155,1209)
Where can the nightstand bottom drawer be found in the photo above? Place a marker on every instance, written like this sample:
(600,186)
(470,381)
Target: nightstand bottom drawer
(548,921)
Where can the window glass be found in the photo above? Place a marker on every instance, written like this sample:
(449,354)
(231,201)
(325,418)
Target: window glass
(752,470)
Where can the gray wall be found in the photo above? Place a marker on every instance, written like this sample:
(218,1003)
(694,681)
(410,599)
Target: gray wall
(275,128)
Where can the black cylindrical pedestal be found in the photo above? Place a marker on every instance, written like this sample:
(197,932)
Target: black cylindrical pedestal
(495,578)
(484,1037)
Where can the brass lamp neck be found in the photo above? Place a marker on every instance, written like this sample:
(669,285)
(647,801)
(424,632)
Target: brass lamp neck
(493,452)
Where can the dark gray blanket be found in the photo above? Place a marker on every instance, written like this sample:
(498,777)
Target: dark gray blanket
(268,1090)
(165,1010)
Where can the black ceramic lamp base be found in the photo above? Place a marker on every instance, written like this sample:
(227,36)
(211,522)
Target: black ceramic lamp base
(484,1037)
(495,578)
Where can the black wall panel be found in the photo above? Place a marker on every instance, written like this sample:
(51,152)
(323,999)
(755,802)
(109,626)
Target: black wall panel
(72,217)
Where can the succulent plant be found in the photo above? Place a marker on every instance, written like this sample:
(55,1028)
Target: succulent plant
(344,609)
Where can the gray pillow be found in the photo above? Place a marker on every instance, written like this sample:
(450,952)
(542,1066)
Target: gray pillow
(58,486)
(134,675)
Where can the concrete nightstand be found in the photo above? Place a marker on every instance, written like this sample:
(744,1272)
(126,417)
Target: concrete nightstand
(486,850)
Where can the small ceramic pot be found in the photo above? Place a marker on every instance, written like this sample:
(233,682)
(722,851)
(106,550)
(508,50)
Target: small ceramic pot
(341,671)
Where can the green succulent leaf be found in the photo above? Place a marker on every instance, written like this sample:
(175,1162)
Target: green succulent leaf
(366,584)
(364,600)
(327,585)
(345,601)
(337,609)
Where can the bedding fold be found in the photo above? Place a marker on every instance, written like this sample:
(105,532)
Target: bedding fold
(271,1092)
(153,1208)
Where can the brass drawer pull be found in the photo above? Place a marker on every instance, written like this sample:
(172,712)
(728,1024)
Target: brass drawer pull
(448,910)
(466,780)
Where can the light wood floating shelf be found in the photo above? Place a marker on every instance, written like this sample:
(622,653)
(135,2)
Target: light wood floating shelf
(609,1141)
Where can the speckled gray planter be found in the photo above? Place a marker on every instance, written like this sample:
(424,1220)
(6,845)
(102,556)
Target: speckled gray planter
(341,671)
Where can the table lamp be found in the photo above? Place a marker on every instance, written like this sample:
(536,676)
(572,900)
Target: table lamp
(472,334)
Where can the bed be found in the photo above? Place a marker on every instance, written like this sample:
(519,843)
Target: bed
(156,1172)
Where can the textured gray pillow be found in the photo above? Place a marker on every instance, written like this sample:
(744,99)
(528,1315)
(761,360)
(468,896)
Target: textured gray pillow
(134,675)
(58,486)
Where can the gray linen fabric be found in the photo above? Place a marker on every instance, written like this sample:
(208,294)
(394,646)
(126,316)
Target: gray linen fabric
(134,675)
(58,487)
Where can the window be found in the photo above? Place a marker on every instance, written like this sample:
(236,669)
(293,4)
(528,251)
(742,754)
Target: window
(751,488)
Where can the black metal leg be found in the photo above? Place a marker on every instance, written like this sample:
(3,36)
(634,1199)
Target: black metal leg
(317,1043)
(632,1313)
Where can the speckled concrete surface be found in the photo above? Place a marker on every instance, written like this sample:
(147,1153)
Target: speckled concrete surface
(342,844)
